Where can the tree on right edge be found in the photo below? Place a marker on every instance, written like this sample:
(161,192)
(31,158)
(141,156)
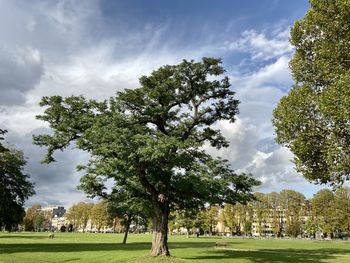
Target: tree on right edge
(313,120)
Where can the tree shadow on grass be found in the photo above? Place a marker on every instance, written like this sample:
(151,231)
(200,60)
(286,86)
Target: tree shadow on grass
(274,255)
(55,246)
(24,237)
(70,247)
(180,244)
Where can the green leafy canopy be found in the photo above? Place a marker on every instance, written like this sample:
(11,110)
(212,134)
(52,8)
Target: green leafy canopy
(150,140)
(313,120)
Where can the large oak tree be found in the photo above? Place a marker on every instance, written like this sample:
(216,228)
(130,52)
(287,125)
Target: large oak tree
(150,140)
(313,120)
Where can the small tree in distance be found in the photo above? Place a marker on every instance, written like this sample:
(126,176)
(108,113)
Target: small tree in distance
(80,214)
(150,140)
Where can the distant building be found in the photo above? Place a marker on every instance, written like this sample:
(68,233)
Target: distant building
(58,222)
(54,217)
(58,212)
(54,210)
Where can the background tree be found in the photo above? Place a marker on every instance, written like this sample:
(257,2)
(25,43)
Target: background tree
(341,211)
(238,218)
(261,212)
(33,219)
(230,217)
(198,222)
(39,221)
(187,219)
(48,215)
(311,227)
(275,212)
(128,208)
(15,186)
(292,202)
(79,215)
(84,214)
(210,219)
(100,216)
(73,217)
(322,204)
(313,120)
(294,229)
(149,140)
(246,215)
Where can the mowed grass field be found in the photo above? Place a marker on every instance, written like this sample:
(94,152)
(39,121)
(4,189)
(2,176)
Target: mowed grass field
(79,247)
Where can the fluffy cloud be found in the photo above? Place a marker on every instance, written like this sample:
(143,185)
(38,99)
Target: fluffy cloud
(261,157)
(260,45)
(260,90)
(20,71)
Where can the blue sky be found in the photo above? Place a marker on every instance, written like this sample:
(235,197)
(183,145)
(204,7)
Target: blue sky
(96,48)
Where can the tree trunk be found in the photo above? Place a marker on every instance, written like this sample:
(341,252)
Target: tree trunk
(160,233)
(127,227)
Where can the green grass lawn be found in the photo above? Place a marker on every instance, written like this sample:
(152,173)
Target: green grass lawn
(78,247)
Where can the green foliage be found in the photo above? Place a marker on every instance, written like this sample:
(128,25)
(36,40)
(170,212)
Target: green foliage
(341,211)
(15,187)
(34,218)
(210,217)
(270,213)
(311,227)
(261,211)
(293,204)
(322,204)
(149,139)
(294,229)
(128,208)
(80,214)
(275,211)
(238,218)
(187,219)
(100,217)
(39,221)
(229,217)
(313,120)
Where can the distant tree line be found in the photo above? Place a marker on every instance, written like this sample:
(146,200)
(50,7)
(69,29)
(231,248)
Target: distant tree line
(85,217)
(36,219)
(287,213)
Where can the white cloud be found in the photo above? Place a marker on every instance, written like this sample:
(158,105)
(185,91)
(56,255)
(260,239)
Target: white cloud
(263,158)
(259,92)
(260,46)
(276,72)
(242,136)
